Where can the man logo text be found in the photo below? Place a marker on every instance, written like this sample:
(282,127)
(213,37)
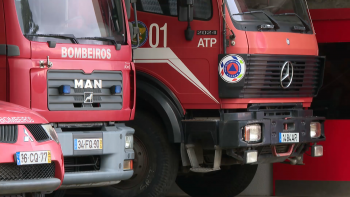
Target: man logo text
(79,83)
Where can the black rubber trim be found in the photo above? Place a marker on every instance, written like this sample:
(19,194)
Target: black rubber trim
(3,49)
(165,108)
(13,50)
(145,77)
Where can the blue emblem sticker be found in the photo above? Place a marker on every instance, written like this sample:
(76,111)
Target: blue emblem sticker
(18,158)
(232,68)
(143,35)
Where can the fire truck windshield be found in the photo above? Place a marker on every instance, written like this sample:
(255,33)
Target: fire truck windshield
(285,12)
(44,20)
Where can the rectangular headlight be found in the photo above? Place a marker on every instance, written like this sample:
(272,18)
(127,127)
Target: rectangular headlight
(315,129)
(252,133)
(129,142)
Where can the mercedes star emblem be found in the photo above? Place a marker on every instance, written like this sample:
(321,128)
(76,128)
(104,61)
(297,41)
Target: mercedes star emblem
(287,72)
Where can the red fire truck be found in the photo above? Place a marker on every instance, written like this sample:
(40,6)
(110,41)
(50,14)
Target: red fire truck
(225,86)
(70,61)
(31,160)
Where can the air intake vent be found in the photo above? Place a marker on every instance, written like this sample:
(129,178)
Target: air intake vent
(12,172)
(8,133)
(38,132)
(87,91)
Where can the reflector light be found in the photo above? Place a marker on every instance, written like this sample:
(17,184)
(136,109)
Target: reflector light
(116,89)
(250,156)
(315,129)
(128,165)
(317,151)
(252,133)
(64,89)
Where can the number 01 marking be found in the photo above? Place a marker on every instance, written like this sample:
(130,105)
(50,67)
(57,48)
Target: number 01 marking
(164,28)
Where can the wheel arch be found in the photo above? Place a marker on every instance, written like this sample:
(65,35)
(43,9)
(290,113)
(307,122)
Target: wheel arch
(153,93)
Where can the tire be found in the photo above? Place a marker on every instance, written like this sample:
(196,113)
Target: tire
(155,165)
(224,183)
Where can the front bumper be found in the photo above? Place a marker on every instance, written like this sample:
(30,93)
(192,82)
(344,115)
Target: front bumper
(16,179)
(270,148)
(24,186)
(112,157)
(227,133)
(231,129)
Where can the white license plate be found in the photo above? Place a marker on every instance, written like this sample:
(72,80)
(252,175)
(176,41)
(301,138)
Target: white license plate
(88,144)
(35,157)
(289,137)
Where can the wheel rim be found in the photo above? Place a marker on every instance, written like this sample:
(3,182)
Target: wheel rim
(140,166)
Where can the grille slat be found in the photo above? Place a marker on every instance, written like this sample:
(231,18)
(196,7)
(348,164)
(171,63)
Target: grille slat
(263,76)
(279,149)
(12,172)
(38,132)
(8,133)
(102,97)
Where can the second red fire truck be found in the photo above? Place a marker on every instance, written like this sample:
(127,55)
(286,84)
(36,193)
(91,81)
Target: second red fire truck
(225,86)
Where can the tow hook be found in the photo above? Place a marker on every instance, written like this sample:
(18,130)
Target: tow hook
(295,161)
(48,63)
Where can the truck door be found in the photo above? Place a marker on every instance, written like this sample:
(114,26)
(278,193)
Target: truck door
(189,68)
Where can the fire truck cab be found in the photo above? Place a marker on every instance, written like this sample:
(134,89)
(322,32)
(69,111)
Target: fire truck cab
(71,62)
(227,86)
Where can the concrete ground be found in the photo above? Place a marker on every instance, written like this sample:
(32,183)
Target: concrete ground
(260,186)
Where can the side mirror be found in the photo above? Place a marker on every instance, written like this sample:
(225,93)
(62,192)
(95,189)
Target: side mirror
(186,12)
(131,29)
(127,7)
(136,30)
(183,11)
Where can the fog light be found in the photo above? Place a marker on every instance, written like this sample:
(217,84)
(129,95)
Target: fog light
(317,151)
(116,89)
(128,165)
(64,89)
(252,133)
(129,141)
(315,129)
(250,156)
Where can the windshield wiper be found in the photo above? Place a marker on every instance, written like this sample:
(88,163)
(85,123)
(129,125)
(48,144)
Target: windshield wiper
(111,39)
(301,19)
(67,36)
(274,22)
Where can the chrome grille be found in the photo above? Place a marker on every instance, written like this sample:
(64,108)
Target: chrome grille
(12,172)
(8,133)
(102,98)
(263,76)
(38,132)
